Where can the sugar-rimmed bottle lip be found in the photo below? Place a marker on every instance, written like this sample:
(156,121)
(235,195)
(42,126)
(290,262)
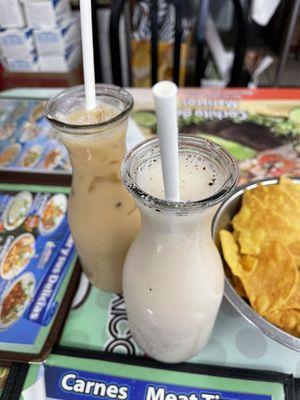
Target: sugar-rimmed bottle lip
(214,152)
(103,90)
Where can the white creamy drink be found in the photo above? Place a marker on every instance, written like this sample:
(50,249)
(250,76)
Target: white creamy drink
(197,178)
(173,276)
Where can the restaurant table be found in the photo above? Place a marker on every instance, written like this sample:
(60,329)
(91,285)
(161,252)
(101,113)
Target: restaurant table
(97,320)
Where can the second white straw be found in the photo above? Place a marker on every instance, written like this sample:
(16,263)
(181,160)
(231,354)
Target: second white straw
(165,98)
(88,53)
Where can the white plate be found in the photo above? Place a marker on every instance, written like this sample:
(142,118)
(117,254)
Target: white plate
(38,150)
(26,279)
(58,157)
(7,130)
(17,211)
(57,201)
(17,148)
(16,270)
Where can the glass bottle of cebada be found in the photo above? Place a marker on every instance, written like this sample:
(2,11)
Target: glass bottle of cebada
(103,217)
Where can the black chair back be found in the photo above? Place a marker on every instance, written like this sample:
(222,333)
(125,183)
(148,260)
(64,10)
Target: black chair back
(117,8)
(241,20)
(241,17)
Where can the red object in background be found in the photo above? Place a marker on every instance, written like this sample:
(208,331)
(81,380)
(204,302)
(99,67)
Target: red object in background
(11,80)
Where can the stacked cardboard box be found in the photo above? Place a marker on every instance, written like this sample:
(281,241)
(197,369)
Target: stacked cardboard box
(39,35)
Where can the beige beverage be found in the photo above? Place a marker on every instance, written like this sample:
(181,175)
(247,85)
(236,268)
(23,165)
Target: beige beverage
(102,216)
(173,275)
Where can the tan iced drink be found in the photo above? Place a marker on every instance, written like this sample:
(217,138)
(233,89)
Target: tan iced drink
(102,216)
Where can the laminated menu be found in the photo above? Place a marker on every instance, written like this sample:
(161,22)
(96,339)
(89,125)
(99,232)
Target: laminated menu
(27,143)
(37,263)
(80,376)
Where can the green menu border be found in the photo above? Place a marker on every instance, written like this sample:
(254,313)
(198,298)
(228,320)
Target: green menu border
(179,378)
(242,374)
(279,386)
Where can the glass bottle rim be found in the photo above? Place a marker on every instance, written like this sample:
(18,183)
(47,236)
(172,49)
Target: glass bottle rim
(101,89)
(180,207)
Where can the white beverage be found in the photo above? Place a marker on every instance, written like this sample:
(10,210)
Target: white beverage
(173,277)
(197,179)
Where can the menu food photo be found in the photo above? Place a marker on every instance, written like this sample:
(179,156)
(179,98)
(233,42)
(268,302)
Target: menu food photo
(75,344)
(26,140)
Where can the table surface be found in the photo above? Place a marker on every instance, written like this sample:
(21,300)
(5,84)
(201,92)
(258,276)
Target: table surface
(98,320)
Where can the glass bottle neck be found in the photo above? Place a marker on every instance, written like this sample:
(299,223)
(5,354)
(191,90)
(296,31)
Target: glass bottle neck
(171,222)
(101,155)
(218,165)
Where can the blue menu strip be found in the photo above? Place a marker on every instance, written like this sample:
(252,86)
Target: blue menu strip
(66,384)
(43,306)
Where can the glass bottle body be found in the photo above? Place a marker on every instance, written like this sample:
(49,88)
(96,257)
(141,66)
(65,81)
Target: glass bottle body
(173,276)
(173,284)
(102,216)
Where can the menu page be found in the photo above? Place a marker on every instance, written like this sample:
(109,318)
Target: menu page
(27,141)
(260,128)
(70,378)
(37,256)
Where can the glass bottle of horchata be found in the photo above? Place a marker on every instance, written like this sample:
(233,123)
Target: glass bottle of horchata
(173,276)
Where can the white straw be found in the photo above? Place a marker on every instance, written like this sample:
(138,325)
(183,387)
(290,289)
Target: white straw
(165,98)
(88,53)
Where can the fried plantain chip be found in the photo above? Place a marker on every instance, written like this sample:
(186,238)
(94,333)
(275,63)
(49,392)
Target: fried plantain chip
(257,224)
(238,264)
(288,320)
(272,281)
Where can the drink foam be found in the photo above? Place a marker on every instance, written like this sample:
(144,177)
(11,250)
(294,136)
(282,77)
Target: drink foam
(198,177)
(101,113)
